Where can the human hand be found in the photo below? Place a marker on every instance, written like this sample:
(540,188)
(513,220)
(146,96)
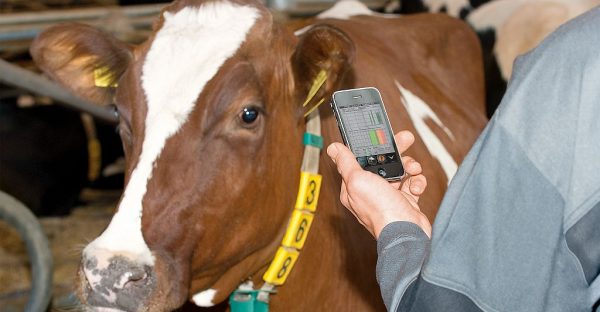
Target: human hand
(374,201)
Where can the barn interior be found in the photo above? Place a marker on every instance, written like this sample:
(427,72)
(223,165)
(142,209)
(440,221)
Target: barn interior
(46,159)
(63,161)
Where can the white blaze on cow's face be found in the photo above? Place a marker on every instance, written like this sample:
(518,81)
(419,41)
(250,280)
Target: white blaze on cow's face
(418,112)
(185,55)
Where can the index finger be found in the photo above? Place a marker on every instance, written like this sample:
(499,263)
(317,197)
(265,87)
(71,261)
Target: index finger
(343,158)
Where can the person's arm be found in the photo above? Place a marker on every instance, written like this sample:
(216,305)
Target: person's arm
(390,212)
(401,250)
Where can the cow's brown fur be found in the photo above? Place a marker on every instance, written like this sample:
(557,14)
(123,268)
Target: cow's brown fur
(221,192)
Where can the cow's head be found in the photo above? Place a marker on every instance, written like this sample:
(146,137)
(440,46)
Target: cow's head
(211,120)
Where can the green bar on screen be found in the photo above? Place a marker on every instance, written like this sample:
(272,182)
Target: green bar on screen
(373,137)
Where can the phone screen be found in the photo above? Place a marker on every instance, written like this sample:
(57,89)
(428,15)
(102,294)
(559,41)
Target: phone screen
(367,132)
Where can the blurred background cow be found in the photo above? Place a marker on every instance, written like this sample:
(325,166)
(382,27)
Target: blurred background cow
(506,29)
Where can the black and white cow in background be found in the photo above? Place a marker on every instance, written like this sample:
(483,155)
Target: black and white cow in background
(45,153)
(506,29)
(456,8)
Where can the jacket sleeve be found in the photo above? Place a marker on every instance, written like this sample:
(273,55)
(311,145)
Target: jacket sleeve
(402,248)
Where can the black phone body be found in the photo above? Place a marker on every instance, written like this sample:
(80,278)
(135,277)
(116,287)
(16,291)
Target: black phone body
(366,130)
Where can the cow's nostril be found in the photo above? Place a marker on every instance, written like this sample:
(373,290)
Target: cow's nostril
(134,276)
(137,275)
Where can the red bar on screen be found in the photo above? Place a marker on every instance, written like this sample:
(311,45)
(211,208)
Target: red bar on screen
(381,136)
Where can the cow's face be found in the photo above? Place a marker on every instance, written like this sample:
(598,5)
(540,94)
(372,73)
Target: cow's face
(211,122)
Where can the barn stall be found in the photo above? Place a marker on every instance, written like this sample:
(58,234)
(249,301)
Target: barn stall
(82,211)
(52,150)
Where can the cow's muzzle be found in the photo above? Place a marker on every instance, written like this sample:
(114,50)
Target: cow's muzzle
(116,282)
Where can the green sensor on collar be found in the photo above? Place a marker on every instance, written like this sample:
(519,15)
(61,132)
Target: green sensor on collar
(246,301)
(313,140)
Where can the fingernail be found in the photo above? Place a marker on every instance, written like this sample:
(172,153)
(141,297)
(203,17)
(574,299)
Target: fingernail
(416,189)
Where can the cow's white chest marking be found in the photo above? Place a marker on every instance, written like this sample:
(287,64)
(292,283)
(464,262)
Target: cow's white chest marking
(186,53)
(205,298)
(418,112)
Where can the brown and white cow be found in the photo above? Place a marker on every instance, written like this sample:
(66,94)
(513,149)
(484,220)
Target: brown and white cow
(212,123)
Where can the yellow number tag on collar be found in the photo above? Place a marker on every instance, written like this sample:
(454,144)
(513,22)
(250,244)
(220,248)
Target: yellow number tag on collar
(297,230)
(282,264)
(308,191)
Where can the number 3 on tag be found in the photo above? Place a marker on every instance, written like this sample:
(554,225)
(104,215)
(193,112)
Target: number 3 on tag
(308,192)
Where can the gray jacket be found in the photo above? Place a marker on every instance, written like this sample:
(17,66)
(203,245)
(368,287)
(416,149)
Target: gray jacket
(519,227)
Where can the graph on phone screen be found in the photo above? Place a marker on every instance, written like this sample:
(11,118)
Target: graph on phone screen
(367,130)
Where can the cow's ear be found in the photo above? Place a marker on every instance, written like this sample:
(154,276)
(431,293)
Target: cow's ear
(322,58)
(83,59)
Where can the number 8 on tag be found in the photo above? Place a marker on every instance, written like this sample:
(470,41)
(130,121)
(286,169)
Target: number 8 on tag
(284,261)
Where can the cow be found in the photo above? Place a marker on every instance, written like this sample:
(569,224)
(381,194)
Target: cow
(495,84)
(212,122)
(456,8)
(520,25)
(49,180)
(506,29)
(509,28)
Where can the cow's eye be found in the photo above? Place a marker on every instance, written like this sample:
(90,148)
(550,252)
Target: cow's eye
(249,115)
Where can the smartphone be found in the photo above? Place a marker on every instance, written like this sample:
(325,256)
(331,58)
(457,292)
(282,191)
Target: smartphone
(366,130)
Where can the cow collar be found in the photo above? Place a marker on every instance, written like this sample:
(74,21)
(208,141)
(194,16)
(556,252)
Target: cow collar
(246,299)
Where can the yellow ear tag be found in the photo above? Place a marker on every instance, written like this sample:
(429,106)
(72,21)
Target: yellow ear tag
(103,78)
(317,83)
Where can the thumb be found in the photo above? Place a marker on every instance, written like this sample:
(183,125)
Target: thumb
(333,151)
(343,158)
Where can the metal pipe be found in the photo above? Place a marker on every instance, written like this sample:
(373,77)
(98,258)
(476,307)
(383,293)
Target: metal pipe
(25,26)
(22,78)
(78,14)
(29,31)
(27,225)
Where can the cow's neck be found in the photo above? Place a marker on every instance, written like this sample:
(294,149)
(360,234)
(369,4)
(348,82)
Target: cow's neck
(339,256)
(248,299)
